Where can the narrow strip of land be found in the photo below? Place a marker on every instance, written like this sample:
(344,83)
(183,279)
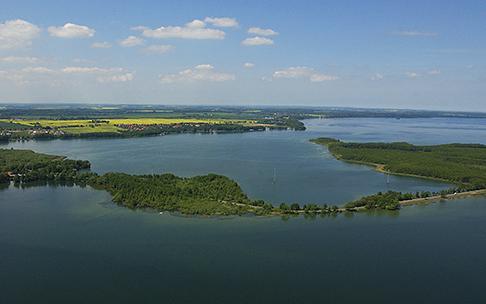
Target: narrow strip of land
(435,198)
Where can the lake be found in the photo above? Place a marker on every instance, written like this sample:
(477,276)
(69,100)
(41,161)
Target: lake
(278,166)
(71,244)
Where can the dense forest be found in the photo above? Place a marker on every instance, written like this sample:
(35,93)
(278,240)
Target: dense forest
(28,166)
(461,164)
(209,194)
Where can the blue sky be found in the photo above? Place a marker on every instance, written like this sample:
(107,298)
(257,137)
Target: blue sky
(393,54)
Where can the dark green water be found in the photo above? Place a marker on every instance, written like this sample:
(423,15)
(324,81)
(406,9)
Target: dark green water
(72,245)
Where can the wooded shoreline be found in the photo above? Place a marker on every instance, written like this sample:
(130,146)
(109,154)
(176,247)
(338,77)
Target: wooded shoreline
(216,195)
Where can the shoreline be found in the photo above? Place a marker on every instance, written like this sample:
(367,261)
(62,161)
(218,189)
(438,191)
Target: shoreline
(381,168)
(234,202)
(433,199)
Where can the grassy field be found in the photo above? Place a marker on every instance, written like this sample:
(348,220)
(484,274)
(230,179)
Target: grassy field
(84,126)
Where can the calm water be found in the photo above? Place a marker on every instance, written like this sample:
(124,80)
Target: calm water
(275,166)
(72,245)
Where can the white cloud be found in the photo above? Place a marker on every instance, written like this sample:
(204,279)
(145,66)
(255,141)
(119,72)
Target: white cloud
(15,59)
(26,75)
(322,77)
(377,76)
(17,34)
(412,75)
(101,45)
(116,78)
(261,32)
(202,72)
(103,75)
(38,70)
(50,76)
(206,67)
(415,34)
(254,41)
(196,23)
(195,29)
(159,49)
(222,21)
(89,70)
(434,72)
(131,41)
(303,72)
(71,30)
(248,65)
(17,78)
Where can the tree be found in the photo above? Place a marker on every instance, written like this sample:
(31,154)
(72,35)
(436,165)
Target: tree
(294,207)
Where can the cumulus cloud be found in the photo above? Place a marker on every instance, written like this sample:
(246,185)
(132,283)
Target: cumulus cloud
(261,32)
(248,65)
(222,21)
(101,45)
(50,76)
(89,70)
(38,70)
(72,70)
(20,60)
(158,49)
(202,72)
(17,34)
(17,78)
(116,78)
(303,72)
(412,75)
(254,41)
(377,76)
(195,29)
(25,75)
(415,34)
(131,41)
(434,72)
(103,75)
(71,30)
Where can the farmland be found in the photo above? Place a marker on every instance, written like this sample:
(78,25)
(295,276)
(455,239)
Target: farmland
(117,125)
(48,122)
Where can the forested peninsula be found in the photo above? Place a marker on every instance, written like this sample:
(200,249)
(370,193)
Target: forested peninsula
(460,164)
(463,165)
(210,194)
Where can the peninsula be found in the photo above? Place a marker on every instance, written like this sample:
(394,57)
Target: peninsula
(462,165)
